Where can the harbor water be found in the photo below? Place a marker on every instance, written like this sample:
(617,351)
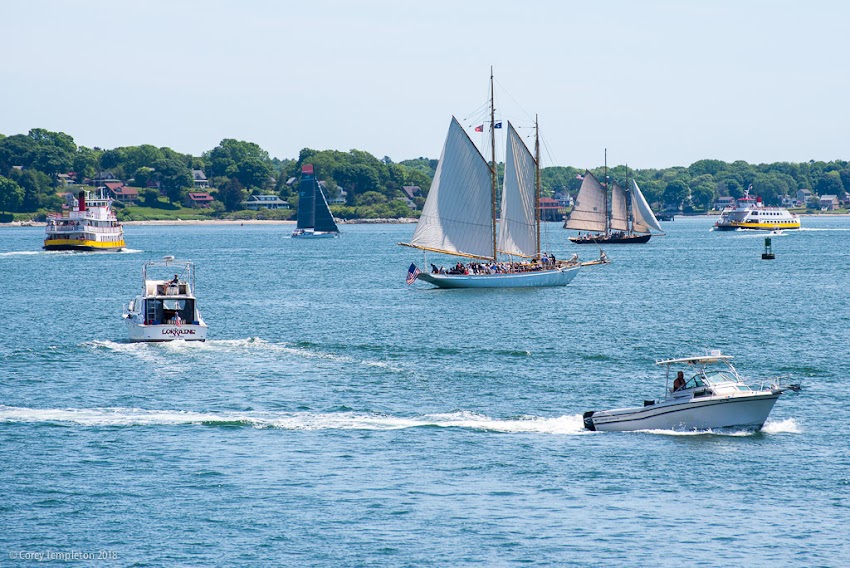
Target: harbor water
(340,417)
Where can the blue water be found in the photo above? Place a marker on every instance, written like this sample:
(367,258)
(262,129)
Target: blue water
(339,417)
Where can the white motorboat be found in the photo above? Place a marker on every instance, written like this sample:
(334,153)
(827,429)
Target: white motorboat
(714,397)
(167,308)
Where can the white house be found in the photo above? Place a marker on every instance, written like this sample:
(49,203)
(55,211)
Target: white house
(257,202)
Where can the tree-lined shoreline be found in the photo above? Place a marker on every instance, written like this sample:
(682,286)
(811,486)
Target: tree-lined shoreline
(37,168)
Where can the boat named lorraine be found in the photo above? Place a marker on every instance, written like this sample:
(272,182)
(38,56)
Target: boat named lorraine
(167,308)
(749,213)
(714,397)
(90,226)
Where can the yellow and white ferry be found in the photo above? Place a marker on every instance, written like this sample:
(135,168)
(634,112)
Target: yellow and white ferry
(749,213)
(91,225)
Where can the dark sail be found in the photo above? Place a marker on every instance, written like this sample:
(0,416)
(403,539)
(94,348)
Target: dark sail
(307,198)
(324,220)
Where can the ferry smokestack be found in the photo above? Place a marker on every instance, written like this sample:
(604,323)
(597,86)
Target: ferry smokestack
(82,200)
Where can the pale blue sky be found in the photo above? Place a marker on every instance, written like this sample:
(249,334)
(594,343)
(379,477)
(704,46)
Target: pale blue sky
(659,83)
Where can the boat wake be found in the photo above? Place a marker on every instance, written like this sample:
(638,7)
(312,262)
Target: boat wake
(21,253)
(152,351)
(787,426)
(563,425)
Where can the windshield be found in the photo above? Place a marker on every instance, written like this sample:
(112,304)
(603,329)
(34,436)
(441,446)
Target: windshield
(717,377)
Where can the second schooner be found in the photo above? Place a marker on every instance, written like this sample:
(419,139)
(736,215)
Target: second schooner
(628,220)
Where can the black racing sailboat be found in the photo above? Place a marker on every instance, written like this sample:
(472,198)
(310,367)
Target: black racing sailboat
(314,215)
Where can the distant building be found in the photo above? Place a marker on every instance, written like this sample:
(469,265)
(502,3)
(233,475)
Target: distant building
(198,199)
(803,195)
(828,202)
(102,178)
(200,179)
(551,209)
(412,191)
(64,179)
(564,199)
(722,203)
(122,193)
(257,202)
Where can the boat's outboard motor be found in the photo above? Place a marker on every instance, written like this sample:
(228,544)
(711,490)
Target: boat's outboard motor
(588,421)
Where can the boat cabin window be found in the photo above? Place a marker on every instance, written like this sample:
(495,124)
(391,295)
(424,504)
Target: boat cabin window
(694,382)
(164,311)
(717,377)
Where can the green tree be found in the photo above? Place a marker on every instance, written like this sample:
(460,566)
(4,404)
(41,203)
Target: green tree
(175,178)
(371,198)
(150,197)
(830,184)
(11,195)
(232,194)
(253,172)
(675,193)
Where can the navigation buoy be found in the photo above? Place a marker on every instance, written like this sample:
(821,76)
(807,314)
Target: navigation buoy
(768,250)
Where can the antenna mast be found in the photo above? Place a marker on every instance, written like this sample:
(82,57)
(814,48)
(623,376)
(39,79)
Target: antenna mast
(493,161)
(537,182)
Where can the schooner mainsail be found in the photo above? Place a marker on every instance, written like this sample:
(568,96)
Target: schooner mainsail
(629,219)
(314,215)
(459,217)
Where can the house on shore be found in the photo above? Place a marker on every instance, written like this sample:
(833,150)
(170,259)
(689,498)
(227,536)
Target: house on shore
(257,202)
(198,200)
(122,193)
(200,179)
(828,202)
(722,203)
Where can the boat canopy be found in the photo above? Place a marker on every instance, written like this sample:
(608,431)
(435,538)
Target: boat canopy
(697,360)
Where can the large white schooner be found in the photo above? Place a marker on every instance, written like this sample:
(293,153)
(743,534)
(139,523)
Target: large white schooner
(459,217)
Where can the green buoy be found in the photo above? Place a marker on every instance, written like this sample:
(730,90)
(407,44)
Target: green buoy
(768,250)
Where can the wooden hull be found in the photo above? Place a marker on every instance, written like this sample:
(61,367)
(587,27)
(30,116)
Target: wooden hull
(626,240)
(536,279)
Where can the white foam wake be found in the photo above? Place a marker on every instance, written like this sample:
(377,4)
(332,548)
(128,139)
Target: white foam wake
(150,351)
(20,253)
(290,420)
(787,426)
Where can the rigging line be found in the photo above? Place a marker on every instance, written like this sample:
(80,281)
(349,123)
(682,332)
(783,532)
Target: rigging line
(502,87)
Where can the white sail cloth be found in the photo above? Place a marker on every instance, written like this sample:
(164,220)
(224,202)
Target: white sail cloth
(619,209)
(518,220)
(589,213)
(643,217)
(457,215)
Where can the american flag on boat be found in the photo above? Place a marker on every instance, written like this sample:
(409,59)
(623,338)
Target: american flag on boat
(412,273)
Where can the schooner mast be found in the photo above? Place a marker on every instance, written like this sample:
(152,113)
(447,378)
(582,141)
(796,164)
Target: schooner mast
(493,160)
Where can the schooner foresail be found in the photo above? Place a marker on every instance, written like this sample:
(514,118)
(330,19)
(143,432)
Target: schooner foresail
(456,216)
(643,217)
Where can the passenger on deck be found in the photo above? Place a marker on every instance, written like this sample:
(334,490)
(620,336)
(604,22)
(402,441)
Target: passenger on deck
(174,281)
(679,382)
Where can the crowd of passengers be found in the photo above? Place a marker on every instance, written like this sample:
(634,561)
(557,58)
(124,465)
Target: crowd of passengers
(545,262)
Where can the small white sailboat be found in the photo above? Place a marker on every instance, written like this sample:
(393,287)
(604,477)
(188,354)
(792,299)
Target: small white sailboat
(167,308)
(710,399)
(314,216)
(459,218)
(630,220)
